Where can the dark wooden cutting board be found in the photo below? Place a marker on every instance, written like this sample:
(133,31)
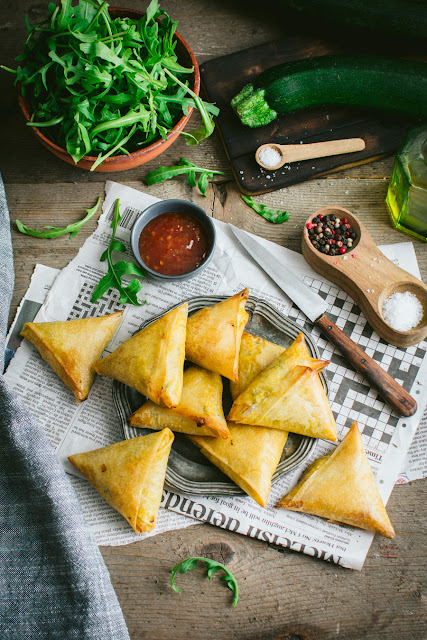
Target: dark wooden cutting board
(224,77)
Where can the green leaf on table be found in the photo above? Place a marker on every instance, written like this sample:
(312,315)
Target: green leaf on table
(184,167)
(272,215)
(212,567)
(116,270)
(54,232)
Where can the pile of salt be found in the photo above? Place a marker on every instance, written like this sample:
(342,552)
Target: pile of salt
(270,157)
(402,311)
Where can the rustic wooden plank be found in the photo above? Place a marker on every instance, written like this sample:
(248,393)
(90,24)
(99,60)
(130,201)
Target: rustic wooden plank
(284,595)
(233,28)
(280,592)
(57,204)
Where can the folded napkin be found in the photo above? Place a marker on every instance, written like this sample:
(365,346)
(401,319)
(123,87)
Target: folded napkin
(53,581)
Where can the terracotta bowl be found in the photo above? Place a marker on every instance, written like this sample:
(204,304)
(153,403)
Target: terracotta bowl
(145,154)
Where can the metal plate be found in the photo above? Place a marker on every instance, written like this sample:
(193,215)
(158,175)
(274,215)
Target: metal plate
(188,470)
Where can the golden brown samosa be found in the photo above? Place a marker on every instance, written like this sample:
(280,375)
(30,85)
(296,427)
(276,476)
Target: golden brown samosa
(249,456)
(72,347)
(288,395)
(130,476)
(214,335)
(341,488)
(199,412)
(152,361)
(251,453)
(256,354)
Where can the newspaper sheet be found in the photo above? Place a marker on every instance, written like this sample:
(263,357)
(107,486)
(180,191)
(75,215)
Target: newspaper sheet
(414,466)
(72,429)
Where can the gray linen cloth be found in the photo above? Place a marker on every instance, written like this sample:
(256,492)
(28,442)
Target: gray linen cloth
(53,581)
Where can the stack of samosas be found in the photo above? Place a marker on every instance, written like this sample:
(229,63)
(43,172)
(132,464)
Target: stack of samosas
(274,390)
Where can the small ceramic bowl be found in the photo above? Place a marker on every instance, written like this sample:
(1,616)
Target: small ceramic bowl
(176,206)
(145,154)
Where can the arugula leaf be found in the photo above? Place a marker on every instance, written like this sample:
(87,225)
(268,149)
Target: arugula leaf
(272,215)
(2,66)
(212,567)
(119,145)
(113,277)
(90,78)
(54,232)
(205,130)
(184,167)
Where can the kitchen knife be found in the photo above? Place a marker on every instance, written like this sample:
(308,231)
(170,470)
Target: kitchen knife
(314,307)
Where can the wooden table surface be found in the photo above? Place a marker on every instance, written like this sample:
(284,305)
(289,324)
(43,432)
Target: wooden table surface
(283,595)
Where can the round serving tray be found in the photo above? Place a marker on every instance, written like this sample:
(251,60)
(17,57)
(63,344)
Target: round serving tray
(188,470)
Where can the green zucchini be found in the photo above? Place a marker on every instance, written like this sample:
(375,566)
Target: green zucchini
(369,82)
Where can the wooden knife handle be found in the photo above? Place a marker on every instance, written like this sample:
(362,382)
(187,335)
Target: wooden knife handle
(390,390)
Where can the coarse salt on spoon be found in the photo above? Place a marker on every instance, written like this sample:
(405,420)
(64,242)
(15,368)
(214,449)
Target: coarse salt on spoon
(285,153)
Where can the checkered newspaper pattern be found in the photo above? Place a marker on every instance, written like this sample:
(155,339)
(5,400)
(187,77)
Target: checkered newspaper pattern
(72,429)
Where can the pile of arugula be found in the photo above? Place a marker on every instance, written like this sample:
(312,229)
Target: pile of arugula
(103,87)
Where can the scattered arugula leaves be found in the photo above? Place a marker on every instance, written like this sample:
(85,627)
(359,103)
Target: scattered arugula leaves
(185,167)
(101,86)
(116,270)
(272,215)
(212,567)
(54,232)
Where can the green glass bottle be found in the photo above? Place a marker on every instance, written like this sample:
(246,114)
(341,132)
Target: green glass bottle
(407,191)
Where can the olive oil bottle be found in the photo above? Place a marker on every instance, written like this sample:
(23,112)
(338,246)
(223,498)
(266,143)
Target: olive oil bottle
(407,191)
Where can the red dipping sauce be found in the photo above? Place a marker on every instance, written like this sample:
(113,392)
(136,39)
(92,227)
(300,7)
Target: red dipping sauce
(173,244)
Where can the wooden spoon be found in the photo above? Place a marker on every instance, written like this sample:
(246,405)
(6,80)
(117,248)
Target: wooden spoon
(369,277)
(295,152)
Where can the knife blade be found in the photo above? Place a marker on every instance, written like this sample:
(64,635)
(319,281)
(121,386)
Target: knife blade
(300,293)
(314,307)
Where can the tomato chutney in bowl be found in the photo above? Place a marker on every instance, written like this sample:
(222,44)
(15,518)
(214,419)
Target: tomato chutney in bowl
(173,240)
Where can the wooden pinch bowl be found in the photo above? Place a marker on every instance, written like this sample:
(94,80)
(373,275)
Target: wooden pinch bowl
(145,154)
(369,277)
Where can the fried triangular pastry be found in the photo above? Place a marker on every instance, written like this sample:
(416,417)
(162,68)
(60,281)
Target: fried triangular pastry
(288,395)
(199,412)
(341,488)
(214,335)
(296,403)
(72,347)
(152,361)
(130,476)
(256,354)
(249,456)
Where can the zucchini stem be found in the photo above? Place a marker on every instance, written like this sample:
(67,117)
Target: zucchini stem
(252,108)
